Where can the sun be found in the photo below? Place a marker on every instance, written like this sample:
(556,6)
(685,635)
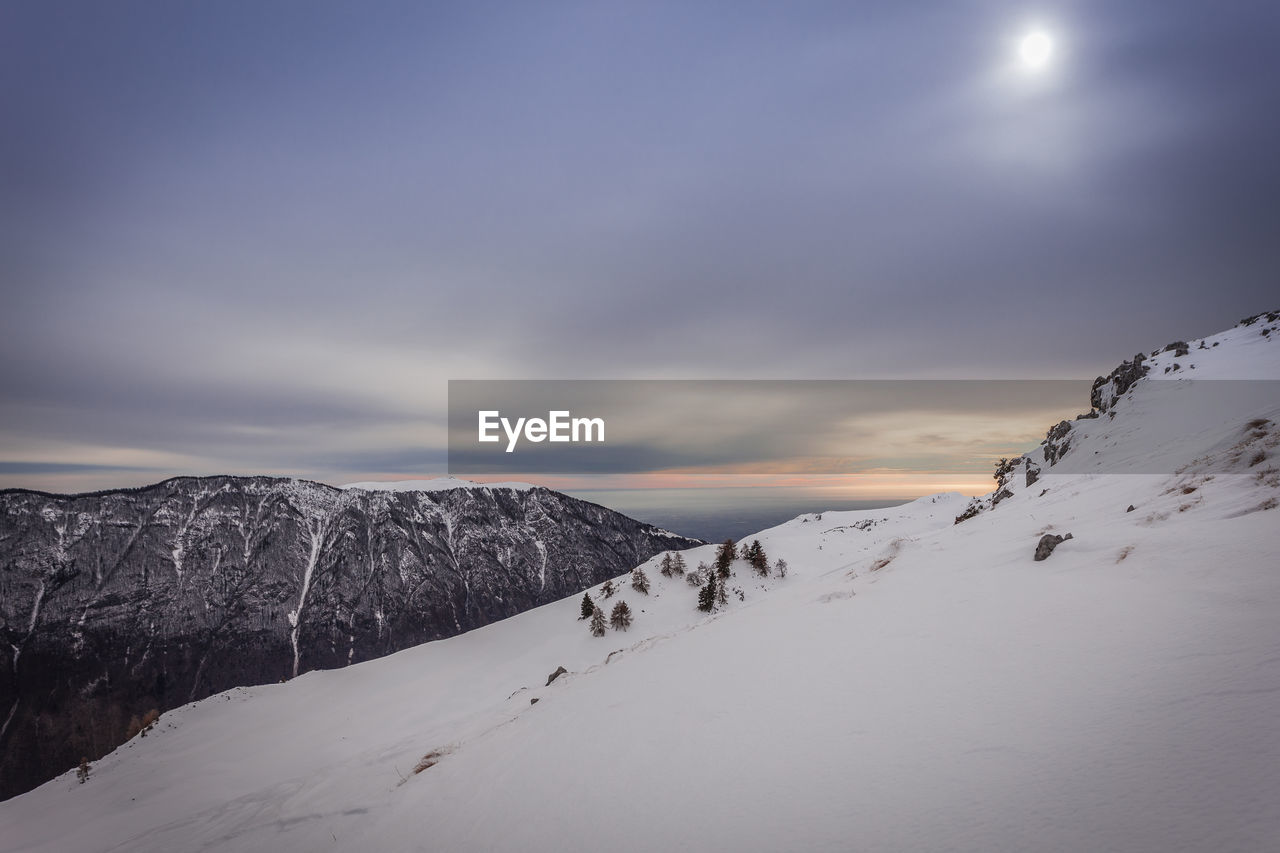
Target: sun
(1035,49)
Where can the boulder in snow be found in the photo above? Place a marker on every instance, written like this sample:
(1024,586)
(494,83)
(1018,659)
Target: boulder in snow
(1048,542)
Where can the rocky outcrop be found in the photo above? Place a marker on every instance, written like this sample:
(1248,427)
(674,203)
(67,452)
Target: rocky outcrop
(1046,545)
(1057,442)
(1107,389)
(1265,316)
(115,603)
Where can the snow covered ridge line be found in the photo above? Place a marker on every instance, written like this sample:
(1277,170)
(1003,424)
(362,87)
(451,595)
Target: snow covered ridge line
(439,484)
(1208,405)
(433,485)
(169,482)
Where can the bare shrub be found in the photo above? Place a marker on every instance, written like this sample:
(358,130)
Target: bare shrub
(431,759)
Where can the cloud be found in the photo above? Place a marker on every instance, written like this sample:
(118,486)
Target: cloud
(272,247)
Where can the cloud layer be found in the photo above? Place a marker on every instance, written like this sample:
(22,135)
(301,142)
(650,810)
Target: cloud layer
(254,237)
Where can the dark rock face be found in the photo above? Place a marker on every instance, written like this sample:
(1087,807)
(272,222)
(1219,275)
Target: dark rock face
(1057,442)
(115,603)
(1270,316)
(1033,473)
(1107,389)
(1047,543)
(553,676)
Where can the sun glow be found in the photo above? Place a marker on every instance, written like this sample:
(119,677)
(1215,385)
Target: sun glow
(1035,49)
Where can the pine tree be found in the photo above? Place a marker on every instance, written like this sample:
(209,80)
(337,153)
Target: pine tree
(707,595)
(725,557)
(621,618)
(666,564)
(607,590)
(588,606)
(678,566)
(597,623)
(640,581)
(757,558)
(780,567)
(722,593)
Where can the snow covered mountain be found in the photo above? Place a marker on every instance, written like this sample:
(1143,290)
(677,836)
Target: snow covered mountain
(915,682)
(116,603)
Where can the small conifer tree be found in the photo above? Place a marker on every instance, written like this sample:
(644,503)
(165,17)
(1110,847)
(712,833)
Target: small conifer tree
(707,595)
(757,558)
(725,557)
(666,564)
(607,590)
(588,606)
(678,565)
(597,623)
(621,617)
(780,567)
(82,772)
(640,581)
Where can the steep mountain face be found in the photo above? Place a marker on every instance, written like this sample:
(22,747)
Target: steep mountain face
(116,603)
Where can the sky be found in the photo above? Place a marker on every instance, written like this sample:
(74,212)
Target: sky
(261,237)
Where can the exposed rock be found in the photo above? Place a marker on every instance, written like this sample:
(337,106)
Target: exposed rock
(974,507)
(553,676)
(1107,389)
(118,602)
(1271,317)
(1000,495)
(1131,508)
(1178,348)
(1057,442)
(1033,473)
(534,701)
(1047,543)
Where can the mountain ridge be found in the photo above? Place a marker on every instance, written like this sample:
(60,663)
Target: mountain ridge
(116,602)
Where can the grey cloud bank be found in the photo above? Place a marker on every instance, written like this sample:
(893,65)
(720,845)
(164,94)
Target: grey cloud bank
(261,237)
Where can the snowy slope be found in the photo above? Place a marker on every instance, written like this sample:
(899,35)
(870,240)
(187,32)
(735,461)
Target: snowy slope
(913,684)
